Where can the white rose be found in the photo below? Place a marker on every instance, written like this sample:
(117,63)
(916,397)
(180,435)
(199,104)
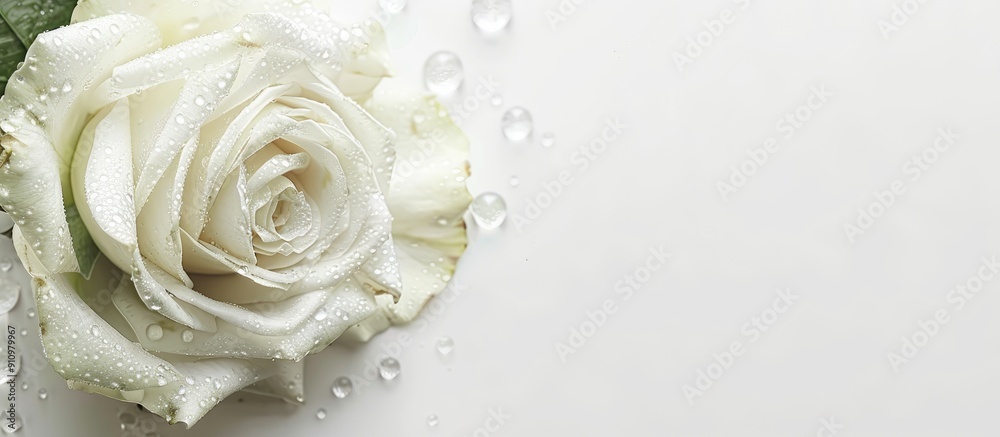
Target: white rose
(246,205)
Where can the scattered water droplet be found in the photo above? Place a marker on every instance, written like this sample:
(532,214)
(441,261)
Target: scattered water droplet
(445,345)
(187,336)
(127,419)
(432,420)
(6,264)
(321,414)
(31,313)
(43,394)
(95,330)
(514,181)
(320,315)
(154,332)
(388,369)
(392,6)
(516,123)
(496,100)
(491,15)
(443,73)
(199,100)
(548,139)
(342,387)
(10,291)
(489,210)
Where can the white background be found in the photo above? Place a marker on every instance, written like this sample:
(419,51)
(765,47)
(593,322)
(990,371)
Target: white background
(525,288)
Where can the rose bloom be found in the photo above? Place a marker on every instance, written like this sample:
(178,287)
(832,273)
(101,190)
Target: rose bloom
(205,194)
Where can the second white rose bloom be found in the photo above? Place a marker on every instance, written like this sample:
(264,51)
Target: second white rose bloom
(240,179)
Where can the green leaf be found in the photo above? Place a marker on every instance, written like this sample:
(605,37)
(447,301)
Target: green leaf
(12,52)
(84,246)
(28,18)
(20,23)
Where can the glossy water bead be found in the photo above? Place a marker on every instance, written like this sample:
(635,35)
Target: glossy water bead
(342,387)
(491,15)
(548,139)
(392,6)
(516,124)
(388,369)
(489,210)
(443,73)
(445,345)
(432,420)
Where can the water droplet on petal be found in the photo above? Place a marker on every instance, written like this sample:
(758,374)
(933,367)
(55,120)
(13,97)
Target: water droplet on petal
(443,73)
(516,124)
(445,345)
(154,332)
(489,210)
(95,330)
(342,387)
(388,369)
(187,336)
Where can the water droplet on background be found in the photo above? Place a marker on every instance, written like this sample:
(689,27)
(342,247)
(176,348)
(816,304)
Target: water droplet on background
(491,15)
(6,264)
(496,100)
(489,210)
(516,123)
(127,419)
(342,387)
(548,139)
(43,394)
(10,291)
(321,414)
(445,345)
(514,181)
(432,420)
(388,369)
(392,6)
(443,73)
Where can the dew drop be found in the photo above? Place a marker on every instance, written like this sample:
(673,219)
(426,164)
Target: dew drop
(127,419)
(489,210)
(320,315)
(443,73)
(491,15)
(516,123)
(95,330)
(154,332)
(199,100)
(187,336)
(388,369)
(496,100)
(342,387)
(548,139)
(43,394)
(392,6)
(432,420)
(10,291)
(321,414)
(444,345)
